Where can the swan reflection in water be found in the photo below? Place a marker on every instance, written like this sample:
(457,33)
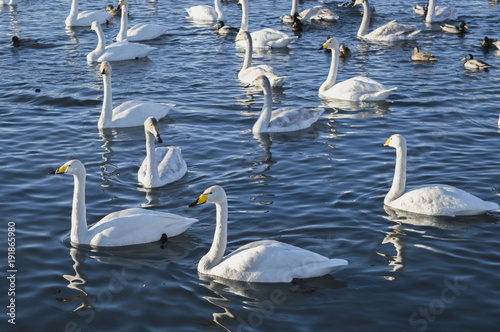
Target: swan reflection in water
(244,302)
(397,235)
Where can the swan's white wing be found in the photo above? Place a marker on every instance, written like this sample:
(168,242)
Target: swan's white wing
(358,88)
(134,113)
(171,165)
(251,73)
(203,13)
(85,18)
(393,31)
(441,200)
(270,38)
(291,119)
(135,226)
(318,13)
(273,261)
(143,31)
(123,50)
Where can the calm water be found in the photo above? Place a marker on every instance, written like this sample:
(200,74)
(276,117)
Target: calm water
(321,189)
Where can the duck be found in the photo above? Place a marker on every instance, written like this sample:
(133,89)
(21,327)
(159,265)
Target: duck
(421,56)
(223,29)
(129,114)
(262,39)
(138,32)
(357,89)
(207,13)
(460,29)
(344,51)
(115,11)
(282,119)
(390,32)
(17,42)
(121,228)
(474,64)
(421,10)
(317,13)
(119,51)
(432,200)
(490,43)
(162,165)
(249,73)
(265,261)
(440,13)
(85,18)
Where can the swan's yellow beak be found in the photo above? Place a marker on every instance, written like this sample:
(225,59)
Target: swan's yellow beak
(202,199)
(324,46)
(387,142)
(120,3)
(104,69)
(60,170)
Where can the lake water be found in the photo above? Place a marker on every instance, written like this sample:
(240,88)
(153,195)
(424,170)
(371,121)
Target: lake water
(321,189)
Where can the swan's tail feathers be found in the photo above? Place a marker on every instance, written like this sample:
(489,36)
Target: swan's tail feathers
(283,42)
(277,81)
(414,34)
(382,95)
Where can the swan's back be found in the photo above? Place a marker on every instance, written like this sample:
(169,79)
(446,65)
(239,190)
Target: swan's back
(291,119)
(251,73)
(358,88)
(273,261)
(441,200)
(318,13)
(86,17)
(135,226)
(171,167)
(124,50)
(144,31)
(134,113)
(202,13)
(393,31)
(270,38)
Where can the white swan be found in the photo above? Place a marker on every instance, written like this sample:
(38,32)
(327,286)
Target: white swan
(358,88)
(261,261)
(129,114)
(316,13)
(434,200)
(247,73)
(138,32)
(85,18)
(282,119)
(389,32)
(121,228)
(118,51)
(162,165)
(265,38)
(440,13)
(207,13)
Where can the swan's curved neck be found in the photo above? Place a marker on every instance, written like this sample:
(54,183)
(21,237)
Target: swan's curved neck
(332,74)
(218,9)
(248,51)
(295,5)
(107,104)
(101,43)
(244,15)
(152,173)
(363,28)
(122,34)
(430,12)
(79,226)
(267,109)
(399,180)
(216,252)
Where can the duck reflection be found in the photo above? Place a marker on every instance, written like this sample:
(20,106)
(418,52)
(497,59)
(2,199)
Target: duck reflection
(243,302)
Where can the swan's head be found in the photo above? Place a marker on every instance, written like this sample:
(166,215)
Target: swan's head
(123,3)
(72,167)
(331,44)
(214,194)
(94,26)
(105,68)
(467,57)
(151,126)
(395,141)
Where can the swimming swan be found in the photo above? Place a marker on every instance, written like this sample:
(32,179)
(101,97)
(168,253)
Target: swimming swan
(282,119)
(440,13)
(389,32)
(85,18)
(316,13)
(247,73)
(138,32)
(162,165)
(434,200)
(358,88)
(129,114)
(207,13)
(119,51)
(261,261)
(121,228)
(265,38)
